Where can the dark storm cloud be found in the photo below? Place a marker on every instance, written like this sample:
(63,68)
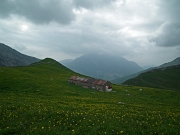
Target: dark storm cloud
(89,4)
(43,11)
(168,33)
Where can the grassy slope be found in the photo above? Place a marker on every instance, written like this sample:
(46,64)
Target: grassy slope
(38,100)
(123,79)
(168,78)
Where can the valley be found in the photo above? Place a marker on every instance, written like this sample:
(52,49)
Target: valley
(37,99)
(89,67)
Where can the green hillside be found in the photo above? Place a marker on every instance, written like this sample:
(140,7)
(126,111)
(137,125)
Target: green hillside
(165,78)
(38,100)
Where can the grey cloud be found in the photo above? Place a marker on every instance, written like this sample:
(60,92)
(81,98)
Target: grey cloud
(85,40)
(39,12)
(20,47)
(170,9)
(90,42)
(107,26)
(90,4)
(167,35)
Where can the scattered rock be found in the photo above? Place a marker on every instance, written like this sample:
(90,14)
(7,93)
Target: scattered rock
(121,103)
(36,90)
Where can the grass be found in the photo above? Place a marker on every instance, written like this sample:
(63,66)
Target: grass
(168,78)
(37,99)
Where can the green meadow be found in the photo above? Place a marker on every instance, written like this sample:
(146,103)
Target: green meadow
(163,78)
(38,100)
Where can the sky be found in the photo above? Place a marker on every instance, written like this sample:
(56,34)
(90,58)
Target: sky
(144,31)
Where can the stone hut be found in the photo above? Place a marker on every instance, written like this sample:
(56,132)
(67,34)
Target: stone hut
(91,83)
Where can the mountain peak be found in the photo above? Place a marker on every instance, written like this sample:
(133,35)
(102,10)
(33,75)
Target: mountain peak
(11,57)
(103,66)
(48,61)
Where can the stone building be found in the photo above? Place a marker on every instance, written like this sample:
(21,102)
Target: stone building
(91,83)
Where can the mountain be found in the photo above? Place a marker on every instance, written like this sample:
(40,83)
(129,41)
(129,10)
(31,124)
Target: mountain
(36,76)
(166,78)
(103,66)
(172,63)
(38,100)
(10,57)
(123,79)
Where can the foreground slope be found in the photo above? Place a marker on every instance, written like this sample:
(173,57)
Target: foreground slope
(166,78)
(35,76)
(11,57)
(38,100)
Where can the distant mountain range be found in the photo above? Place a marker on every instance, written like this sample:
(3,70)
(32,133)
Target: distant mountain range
(102,66)
(123,79)
(172,63)
(165,77)
(11,57)
(108,67)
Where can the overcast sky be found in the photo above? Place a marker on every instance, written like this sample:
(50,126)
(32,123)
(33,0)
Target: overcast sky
(144,31)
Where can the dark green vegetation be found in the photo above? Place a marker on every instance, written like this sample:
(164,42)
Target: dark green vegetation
(38,100)
(11,57)
(165,78)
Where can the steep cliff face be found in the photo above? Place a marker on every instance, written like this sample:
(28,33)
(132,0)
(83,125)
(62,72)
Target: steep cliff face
(11,57)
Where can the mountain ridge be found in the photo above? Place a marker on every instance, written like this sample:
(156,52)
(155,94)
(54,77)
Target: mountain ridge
(165,78)
(123,79)
(10,57)
(103,66)
(171,63)
(168,64)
